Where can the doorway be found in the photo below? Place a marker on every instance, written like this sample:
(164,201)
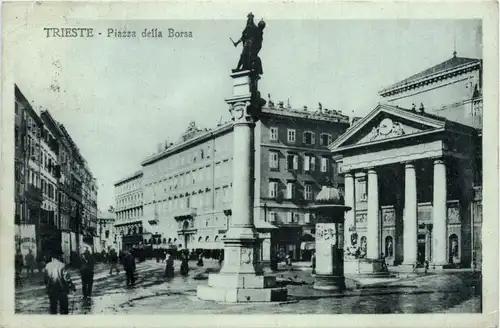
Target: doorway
(421,249)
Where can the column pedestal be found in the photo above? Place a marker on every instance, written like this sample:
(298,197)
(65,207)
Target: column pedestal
(241,278)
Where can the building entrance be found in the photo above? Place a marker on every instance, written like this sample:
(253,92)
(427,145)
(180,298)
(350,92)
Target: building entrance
(421,249)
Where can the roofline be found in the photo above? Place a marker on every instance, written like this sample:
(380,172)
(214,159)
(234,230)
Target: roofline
(398,111)
(340,118)
(52,121)
(188,143)
(377,142)
(398,86)
(130,177)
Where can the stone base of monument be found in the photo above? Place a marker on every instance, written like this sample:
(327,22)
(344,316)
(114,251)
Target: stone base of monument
(329,282)
(241,288)
(369,268)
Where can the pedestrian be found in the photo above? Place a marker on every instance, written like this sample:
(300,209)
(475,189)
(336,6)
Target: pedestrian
(426,266)
(221,257)
(113,261)
(30,262)
(87,273)
(164,255)
(185,264)
(19,264)
(129,267)
(200,260)
(58,283)
(313,262)
(169,268)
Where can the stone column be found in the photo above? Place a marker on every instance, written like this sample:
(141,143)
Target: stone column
(350,216)
(439,214)
(241,278)
(373,217)
(410,229)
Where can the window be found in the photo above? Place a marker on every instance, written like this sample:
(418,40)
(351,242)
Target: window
(272,217)
(325,139)
(307,218)
(325,163)
(309,138)
(291,135)
(273,189)
(273,160)
(308,192)
(310,163)
(274,134)
(361,190)
(292,162)
(289,217)
(290,190)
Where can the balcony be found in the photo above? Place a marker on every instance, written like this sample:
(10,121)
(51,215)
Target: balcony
(34,194)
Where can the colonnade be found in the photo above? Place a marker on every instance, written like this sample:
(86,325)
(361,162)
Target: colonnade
(410,225)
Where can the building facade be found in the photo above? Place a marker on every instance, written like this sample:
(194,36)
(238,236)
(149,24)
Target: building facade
(106,230)
(129,225)
(188,185)
(413,169)
(46,163)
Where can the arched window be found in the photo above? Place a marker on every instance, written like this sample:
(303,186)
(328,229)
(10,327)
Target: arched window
(164,240)
(453,249)
(389,246)
(363,247)
(169,240)
(207,239)
(200,239)
(216,238)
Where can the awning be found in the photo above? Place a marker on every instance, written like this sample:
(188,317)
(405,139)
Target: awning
(264,226)
(308,245)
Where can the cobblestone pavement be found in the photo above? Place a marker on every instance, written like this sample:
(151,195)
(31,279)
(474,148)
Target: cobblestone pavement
(455,292)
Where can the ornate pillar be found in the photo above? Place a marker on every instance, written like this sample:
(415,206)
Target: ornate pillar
(350,216)
(410,228)
(373,217)
(439,214)
(241,278)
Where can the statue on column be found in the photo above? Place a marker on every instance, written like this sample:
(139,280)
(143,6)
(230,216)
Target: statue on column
(252,43)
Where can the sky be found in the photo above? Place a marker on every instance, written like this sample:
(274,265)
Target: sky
(118,98)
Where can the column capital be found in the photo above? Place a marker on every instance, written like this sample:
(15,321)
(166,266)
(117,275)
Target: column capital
(409,165)
(371,170)
(349,174)
(438,160)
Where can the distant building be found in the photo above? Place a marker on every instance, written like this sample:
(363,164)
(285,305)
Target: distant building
(106,230)
(413,169)
(49,184)
(129,211)
(187,185)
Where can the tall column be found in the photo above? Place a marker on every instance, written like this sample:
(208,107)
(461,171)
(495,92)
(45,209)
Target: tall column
(373,217)
(350,216)
(410,229)
(241,277)
(439,214)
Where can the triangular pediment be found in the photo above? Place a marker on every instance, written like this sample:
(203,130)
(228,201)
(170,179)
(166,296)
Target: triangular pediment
(387,122)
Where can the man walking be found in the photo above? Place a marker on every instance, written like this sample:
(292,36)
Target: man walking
(30,262)
(87,273)
(58,283)
(129,267)
(113,261)
(19,263)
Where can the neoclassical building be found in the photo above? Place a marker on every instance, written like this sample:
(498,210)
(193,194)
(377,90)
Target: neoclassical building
(413,169)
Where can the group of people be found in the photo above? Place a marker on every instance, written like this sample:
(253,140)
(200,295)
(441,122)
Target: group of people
(59,284)
(21,262)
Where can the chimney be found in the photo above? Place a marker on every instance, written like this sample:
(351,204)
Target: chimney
(281,105)
(413,107)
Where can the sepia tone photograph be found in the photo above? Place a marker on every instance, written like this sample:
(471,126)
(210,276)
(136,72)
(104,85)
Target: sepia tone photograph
(252,165)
